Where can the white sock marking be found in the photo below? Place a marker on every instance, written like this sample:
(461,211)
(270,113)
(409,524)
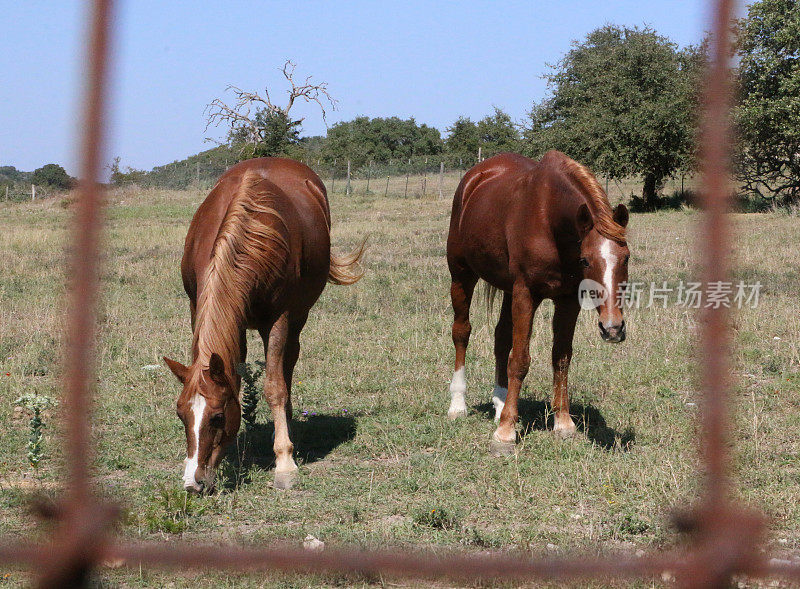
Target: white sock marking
(458,388)
(498,400)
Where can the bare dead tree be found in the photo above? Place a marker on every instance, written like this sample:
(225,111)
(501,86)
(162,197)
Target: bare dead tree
(247,115)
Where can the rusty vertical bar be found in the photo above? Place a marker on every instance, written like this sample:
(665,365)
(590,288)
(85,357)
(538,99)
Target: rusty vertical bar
(83,268)
(714,336)
(78,541)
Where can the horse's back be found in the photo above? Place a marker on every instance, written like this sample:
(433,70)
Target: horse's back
(298,201)
(487,202)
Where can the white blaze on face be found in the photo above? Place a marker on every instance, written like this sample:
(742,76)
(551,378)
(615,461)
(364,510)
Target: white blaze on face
(608,273)
(458,387)
(190,464)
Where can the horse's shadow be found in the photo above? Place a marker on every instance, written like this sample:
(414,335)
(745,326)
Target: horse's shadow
(313,439)
(538,415)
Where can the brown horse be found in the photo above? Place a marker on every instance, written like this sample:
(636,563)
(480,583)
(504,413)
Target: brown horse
(533,230)
(257,256)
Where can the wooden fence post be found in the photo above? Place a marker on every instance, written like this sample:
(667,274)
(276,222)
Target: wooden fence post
(33,192)
(369,174)
(333,179)
(347,187)
(441,178)
(386,192)
(479,154)
(405,194)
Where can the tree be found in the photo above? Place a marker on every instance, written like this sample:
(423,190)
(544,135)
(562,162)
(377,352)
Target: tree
(768,111)
(497,133)
(54,176)
(462,138)
(129,176)
(378,139)
(623,102)
(260,127)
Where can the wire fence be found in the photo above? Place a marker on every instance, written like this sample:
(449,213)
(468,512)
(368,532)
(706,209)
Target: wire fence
(725,539)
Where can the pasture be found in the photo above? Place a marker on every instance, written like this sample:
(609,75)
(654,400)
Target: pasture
(380,464)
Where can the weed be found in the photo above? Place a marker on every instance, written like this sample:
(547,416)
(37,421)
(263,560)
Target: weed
(171,510)
(437,518)
(250,391)
(36,405)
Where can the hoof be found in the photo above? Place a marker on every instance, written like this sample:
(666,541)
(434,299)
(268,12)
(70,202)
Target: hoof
(456,413)
(564,432)
(286,479)
(498,448)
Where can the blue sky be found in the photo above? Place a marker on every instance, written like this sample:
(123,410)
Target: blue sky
(431,60)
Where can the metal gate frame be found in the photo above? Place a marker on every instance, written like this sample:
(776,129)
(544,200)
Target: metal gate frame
(725,538)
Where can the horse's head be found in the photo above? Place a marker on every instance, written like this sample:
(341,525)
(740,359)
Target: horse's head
(209,408)
(605,262)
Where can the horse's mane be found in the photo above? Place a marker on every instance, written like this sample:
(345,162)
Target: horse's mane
(596,197)
(246,253)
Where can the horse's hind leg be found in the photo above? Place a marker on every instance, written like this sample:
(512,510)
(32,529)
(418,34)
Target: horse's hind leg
(461,290)
(290,359)
(565,316)
(277,393)
(502,348)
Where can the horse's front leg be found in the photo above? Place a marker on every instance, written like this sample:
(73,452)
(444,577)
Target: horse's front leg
(565,316)
(523,306)
(277,394)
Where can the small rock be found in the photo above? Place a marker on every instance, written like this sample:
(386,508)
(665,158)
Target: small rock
(151,367)
(776,338)
(783,541)
(313,544)
(640,553)
(552,547)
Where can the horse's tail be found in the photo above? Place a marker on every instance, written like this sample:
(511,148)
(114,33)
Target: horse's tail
(346,269)
(489,296)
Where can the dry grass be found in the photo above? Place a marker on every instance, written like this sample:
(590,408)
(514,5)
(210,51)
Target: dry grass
(377,454)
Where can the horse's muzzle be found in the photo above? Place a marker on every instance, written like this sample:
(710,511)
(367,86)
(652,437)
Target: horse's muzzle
(196,489)
(612,334)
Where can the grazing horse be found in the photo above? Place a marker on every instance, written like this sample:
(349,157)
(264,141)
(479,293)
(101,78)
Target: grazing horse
(257,256)
(533,230)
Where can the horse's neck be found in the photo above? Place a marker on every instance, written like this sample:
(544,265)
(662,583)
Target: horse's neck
(217,330)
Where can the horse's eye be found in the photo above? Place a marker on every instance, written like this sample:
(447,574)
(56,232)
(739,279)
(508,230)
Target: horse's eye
(584,262)
(217,421)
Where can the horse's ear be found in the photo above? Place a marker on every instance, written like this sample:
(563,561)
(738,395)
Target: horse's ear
(621,215)
(178,369)
(584,221)
(216,369)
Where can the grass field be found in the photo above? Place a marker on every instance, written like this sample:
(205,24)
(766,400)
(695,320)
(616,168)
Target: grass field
(380,464)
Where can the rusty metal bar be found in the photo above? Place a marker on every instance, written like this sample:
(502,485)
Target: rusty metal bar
(80,531)
(715,261)
(453,566)
(83,268)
